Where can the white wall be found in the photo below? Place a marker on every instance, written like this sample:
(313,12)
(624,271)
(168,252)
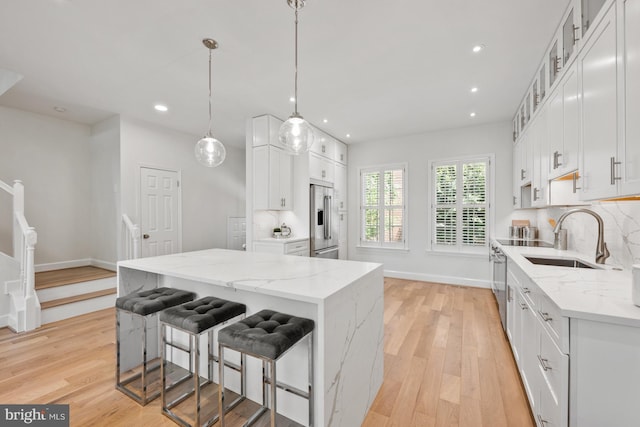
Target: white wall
(209,196)
(417,150)
(104,144)
(52,158)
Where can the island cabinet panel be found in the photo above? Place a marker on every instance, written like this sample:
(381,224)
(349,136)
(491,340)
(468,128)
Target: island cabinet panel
(605,386)
(345,299)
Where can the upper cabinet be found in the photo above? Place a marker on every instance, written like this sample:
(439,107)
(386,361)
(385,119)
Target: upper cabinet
(589,9)
(324,145)
(599,99)
(629,148)
(588,89)
(564,125)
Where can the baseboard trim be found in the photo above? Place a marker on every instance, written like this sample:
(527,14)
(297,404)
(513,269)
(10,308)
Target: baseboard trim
(62,265)
(449,280)
(111,266)
(75,263)
(4,321)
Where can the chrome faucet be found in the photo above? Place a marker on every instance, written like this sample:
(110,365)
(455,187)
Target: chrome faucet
(602,253)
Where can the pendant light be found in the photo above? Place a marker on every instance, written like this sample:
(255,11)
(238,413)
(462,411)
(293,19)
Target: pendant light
(296,134)
(209,151)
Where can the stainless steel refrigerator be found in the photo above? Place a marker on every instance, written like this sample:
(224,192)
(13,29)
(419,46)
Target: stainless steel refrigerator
(324,222)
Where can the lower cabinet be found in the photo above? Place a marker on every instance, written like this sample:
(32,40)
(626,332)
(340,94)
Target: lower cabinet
(543,366)
(282,247)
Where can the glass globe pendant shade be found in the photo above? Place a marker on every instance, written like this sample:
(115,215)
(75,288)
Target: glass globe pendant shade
(210,152)
(296,134)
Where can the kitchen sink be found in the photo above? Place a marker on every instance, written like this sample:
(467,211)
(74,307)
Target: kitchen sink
(560,262)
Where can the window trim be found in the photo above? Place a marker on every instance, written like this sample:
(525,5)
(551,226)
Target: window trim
(459,248)
(405,207)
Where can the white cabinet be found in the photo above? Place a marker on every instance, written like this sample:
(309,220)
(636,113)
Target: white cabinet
(341,152)
(272,178)
(599,99)
(517,160)
(321,168)
(542,359)
(342,235)
(540,183)
(298,247)
(265,130)
(340,186)
(629,149)
(324,145)
(564,126)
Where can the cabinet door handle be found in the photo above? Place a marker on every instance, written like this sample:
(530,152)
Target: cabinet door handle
(526,290)
(556,162)
(535,194)
(341,157)
(541,420)
(545,316)
(575,183)
(557,64)
(514,200)
(614,178)
(575,38)
(522,173)
(543,363)
(523,306)
(324,149)
(324,173)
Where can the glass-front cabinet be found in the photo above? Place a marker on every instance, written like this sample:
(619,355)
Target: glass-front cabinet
(542,81)
(553,63)
(590,9)
(569,36)
(536,96)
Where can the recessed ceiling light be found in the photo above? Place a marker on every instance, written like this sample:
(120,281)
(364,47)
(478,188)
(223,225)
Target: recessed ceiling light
(292,99)
(348,135)
(477,48)
(474,89)
(161,108)
(60,109)
(472,114)
(325,121)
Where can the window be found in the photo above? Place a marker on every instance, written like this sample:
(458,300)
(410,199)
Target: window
(460,205)
(383,206)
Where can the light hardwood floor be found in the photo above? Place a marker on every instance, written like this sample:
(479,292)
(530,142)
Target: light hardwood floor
(447,363)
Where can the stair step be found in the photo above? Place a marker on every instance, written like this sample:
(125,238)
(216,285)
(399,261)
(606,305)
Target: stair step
(77,298)
(68,276)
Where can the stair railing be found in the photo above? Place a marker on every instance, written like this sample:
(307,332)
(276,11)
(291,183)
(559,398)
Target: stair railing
(130,238)
(24,244)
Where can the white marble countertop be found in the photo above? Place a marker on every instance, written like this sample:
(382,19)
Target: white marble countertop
(297,278)
(602,295)
(282,239)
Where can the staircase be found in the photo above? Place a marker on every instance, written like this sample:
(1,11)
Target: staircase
(19,305)
(74,291)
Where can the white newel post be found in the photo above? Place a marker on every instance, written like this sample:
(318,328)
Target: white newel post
(32,304)
(18,208)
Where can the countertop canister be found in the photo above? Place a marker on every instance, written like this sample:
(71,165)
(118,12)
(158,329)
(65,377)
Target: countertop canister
(635,284)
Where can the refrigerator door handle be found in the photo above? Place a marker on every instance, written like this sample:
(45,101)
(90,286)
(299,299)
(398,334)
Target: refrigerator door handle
(325,203)
(329,217)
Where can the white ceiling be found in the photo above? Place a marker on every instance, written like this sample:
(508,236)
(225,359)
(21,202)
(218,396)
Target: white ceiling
(374,68)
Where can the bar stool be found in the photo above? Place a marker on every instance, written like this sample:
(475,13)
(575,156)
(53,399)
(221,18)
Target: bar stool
(194,319)
(267,335)
(142,305)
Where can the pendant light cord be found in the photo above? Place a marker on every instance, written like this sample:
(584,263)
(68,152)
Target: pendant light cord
(209,134)
(296,65)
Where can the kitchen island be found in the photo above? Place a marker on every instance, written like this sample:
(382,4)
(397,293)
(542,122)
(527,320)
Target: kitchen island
(344,298)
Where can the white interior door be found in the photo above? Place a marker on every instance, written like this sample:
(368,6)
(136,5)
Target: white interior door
(236,233)
(159,207)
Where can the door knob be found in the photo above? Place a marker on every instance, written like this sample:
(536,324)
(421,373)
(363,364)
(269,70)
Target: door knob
(145,236)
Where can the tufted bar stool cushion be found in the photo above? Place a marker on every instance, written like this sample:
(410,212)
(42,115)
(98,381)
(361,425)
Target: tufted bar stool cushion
(202,314)
(153,300)
(266,333)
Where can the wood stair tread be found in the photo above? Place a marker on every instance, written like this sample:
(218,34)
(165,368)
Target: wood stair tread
(69,276)
(77,298)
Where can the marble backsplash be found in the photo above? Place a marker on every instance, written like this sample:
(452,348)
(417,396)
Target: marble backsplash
(621,229)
